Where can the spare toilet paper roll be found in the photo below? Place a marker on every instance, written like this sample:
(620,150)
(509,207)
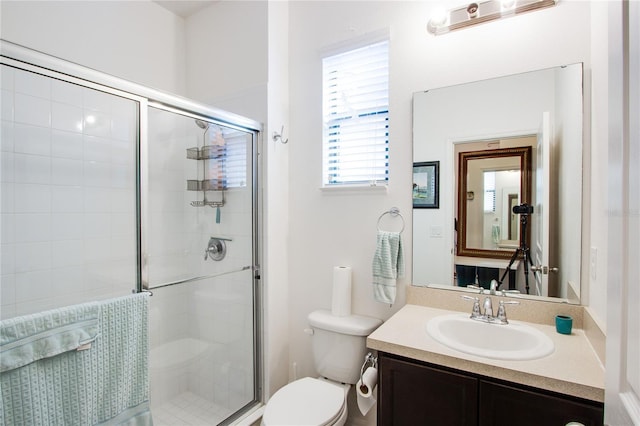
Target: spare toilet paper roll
(366,390)
(341,298)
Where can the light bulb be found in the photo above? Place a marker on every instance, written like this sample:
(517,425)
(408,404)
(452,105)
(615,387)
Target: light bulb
(507,4)
(438,19)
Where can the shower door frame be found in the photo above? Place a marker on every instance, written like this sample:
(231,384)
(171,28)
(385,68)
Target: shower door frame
(256,225)
(20,57)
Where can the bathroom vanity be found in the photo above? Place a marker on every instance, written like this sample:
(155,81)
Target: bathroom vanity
(412,393)
(422,381)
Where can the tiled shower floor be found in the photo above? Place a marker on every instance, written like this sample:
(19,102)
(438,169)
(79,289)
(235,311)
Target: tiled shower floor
(188,409)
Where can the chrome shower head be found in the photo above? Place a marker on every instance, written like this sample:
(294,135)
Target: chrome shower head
(202,124)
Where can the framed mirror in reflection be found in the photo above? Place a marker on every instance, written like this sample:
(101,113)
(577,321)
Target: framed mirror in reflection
(501,178)
(469,128)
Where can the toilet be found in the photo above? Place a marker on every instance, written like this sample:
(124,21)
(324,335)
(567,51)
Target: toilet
(339,349)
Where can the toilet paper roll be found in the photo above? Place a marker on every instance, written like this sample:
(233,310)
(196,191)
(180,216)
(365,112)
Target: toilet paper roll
(341,297)
(366,390)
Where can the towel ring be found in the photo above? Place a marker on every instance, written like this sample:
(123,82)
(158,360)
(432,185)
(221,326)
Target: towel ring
(393,211)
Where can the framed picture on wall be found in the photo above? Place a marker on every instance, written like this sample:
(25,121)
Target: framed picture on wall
(426,185)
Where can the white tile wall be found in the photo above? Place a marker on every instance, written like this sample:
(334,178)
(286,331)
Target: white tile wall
(68,193)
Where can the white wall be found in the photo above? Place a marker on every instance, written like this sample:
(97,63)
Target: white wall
(596,109)
(134,40)
(339,228)
(276,203)
(226,51)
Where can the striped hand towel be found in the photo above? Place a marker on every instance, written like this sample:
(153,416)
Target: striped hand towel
(495,233)
(388,266)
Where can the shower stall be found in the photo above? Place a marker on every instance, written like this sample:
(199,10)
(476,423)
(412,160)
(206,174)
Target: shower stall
(110,187)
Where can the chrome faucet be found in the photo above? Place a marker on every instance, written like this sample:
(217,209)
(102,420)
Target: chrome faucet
(487,315)
(493,287)
(488,307)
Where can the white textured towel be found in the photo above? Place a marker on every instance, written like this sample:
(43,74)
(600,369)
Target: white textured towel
(388,266)
(105,384)
(30,338)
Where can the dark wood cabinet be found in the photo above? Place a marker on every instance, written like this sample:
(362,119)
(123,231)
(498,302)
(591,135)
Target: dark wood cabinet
(416,393)
(412,394)
(500,404)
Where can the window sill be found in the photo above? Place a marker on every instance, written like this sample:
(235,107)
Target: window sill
(355,188)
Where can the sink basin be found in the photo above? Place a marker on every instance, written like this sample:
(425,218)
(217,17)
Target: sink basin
(514,341)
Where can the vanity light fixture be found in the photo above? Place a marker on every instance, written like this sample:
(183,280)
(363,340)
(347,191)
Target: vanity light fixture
(476,13)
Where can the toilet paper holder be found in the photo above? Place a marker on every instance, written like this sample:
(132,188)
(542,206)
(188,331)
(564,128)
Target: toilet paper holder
(369,361)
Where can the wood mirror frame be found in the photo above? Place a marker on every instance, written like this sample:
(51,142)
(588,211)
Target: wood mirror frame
(524,153)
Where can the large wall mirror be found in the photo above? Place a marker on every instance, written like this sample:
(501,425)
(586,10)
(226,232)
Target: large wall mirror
(469,129)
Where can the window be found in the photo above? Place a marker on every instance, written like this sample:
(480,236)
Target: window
(489,192)
(235,159)
(356,116)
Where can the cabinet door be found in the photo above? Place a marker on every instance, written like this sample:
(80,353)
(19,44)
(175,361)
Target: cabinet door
(508,406)
(412,394)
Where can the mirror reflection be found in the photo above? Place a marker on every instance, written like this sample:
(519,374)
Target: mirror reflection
(473,234)
(490,184)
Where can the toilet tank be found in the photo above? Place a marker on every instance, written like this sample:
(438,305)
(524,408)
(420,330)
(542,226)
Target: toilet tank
(339,344)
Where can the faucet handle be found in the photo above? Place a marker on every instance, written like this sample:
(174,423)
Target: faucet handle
(475,287)
(502,312)
(475,310)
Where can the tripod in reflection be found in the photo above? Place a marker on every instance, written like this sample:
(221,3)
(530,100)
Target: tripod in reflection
(524,210)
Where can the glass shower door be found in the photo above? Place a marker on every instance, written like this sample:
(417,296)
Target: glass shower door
(198,255)
(68,191)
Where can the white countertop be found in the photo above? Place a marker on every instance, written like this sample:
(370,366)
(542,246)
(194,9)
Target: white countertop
(573,368)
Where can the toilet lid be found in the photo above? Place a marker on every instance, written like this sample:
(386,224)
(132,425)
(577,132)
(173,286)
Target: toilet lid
(306,401)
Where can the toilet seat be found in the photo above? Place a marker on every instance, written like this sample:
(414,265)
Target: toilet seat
(306,401)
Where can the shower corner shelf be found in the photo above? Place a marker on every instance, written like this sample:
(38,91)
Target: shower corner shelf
(208,152)
(207,185)
(203,203)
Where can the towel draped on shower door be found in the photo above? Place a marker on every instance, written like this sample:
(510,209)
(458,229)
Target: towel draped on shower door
(85,364)
(388,266)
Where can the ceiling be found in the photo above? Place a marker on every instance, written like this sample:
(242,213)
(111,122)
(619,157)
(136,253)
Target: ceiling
(184,8)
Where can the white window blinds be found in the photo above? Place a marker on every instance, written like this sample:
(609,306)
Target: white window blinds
(356,116)
(489,192)
(236,159)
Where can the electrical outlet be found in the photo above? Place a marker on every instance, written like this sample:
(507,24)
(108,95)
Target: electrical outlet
(594,262)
